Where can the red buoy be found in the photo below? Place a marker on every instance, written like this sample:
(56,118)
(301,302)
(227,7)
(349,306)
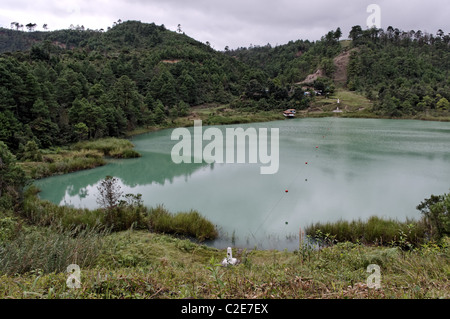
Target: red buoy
(286,191)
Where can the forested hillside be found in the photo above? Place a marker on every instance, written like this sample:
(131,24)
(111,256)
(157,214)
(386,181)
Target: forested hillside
(407,72)
(69,85)
(72,85)
(292,62)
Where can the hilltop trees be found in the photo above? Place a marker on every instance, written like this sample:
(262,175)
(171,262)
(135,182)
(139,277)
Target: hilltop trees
(355,33)
(17,25)
(338,34)
(31,26)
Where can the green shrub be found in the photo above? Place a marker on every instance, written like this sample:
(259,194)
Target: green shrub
(31,152)
(436,211)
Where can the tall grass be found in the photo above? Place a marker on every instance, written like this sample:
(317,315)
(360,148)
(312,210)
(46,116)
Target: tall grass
(44,213)
(114,147)
(50,249)
(139,264)
(190,224)
(374,231)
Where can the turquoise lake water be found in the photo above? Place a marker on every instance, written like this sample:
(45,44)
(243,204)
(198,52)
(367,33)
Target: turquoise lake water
(356,168)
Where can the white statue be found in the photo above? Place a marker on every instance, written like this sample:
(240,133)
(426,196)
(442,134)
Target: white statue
(229,260)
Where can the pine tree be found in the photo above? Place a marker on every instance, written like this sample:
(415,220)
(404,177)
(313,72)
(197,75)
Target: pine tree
(12,177)
(160,116)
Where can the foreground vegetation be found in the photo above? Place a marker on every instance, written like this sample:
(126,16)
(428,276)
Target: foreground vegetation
(123,251)
(138,264)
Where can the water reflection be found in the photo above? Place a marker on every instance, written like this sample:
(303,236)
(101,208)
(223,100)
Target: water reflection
(151,168)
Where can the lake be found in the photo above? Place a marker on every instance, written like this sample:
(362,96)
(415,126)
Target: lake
(356,168)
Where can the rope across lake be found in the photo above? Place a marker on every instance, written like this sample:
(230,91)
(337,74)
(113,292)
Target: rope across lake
(303,166)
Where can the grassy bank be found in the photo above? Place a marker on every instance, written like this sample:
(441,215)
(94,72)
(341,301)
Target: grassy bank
(125,216)
(349,102)
(354,105)
(127,253)
(137,264)
(79,156)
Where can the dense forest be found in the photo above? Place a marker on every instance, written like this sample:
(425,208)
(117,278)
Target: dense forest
(64,86)
(406,72)
(403,72)
(292,62)
(74,84)
(70,85)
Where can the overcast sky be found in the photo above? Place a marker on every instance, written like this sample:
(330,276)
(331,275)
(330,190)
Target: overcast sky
(233,23)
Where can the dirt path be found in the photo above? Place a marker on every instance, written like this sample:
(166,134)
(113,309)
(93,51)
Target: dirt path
(341,63)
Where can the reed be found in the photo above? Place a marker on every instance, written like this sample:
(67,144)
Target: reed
(190,224)
(373,231)
(44,213)
(50,250)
